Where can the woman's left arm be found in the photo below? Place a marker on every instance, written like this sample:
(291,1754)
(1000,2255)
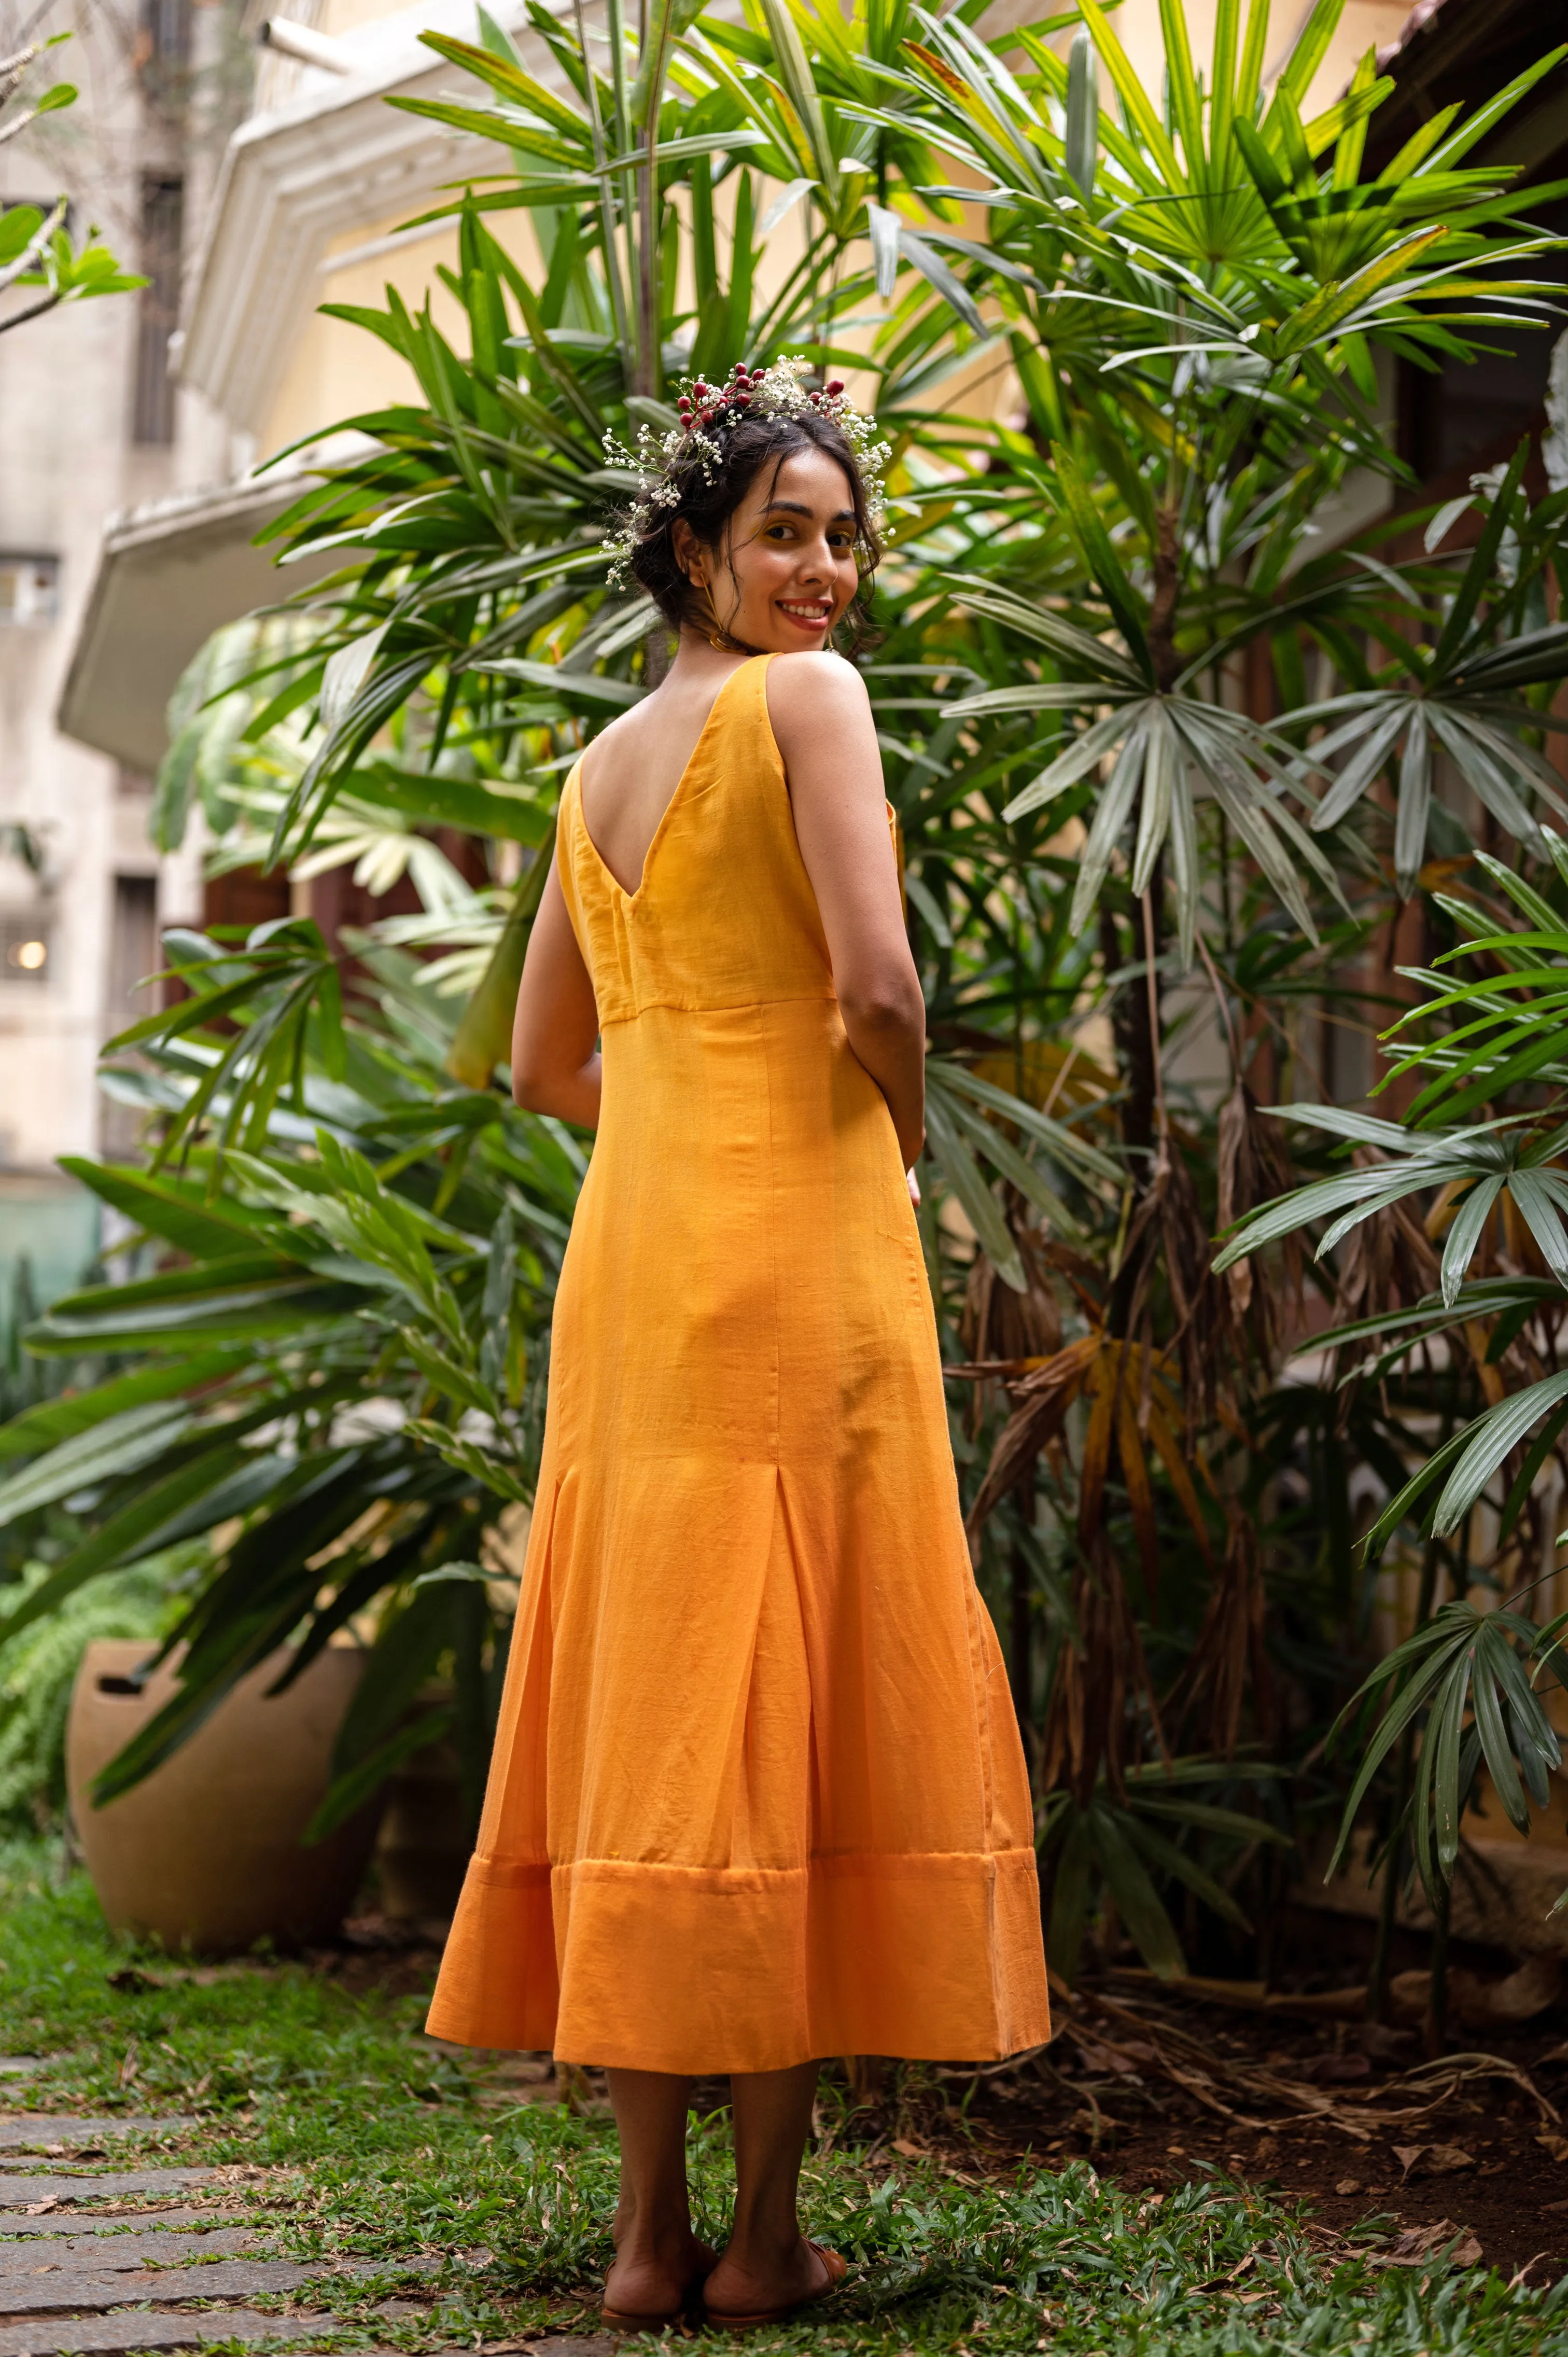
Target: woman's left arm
(556,1033)
(827,739)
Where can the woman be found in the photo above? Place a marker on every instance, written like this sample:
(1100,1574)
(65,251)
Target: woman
(757,1793)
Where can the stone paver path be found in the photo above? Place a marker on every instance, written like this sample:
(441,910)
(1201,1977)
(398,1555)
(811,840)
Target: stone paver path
(109,2245)
(53,2132)
(117,2280)
(25,2192)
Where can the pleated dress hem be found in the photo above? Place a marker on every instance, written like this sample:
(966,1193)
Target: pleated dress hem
(748,1968)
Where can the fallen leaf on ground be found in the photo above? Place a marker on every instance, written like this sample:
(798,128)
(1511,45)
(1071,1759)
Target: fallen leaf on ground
(1119,2059)
(1557,2146)
(1348,2185)
(1417,2242)
(1432,2159)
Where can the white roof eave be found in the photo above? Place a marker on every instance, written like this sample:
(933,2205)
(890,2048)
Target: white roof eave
(335,158)
(168,573)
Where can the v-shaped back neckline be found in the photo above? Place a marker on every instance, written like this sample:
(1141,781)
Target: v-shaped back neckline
(631,899)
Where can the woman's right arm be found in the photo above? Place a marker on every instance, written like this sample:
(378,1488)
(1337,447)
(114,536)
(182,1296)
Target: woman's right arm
(822,725)
(555,1033)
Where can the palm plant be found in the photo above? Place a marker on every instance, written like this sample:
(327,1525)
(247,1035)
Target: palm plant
(335,1371)
(1496,1193)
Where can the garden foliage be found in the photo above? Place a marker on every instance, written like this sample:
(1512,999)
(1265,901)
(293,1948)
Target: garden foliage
(1172,765)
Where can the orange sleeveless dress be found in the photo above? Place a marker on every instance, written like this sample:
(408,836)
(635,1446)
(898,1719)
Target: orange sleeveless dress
(757,1793)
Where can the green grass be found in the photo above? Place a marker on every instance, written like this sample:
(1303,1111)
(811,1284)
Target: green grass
(383,2152)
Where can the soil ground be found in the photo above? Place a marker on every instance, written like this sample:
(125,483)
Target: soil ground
(1484,2162)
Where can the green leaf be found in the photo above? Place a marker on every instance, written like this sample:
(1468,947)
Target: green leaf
(120,1444)
(1478,573)
(1486,1442)
(56,1420)
(1100,558)
(1143,1913)
(351,1790)
(1069,1899)
(1083,142)
(962,1173)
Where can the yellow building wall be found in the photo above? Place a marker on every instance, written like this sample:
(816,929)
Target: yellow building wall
(337,369)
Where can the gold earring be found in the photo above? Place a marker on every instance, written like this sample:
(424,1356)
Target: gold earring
(718,636)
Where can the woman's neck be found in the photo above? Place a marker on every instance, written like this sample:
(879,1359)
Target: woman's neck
(699,664)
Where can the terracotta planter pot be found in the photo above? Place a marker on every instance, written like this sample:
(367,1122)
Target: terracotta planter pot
(422,1853)
(205,1853)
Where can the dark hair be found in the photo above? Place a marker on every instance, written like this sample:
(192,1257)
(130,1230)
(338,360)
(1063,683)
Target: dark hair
(707,501)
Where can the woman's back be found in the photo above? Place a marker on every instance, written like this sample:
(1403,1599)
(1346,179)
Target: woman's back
(723,913)
(629,777)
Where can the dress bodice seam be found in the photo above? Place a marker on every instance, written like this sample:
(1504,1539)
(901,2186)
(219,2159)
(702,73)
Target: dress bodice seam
(716,1007)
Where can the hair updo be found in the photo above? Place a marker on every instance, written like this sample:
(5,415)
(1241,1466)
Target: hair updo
(702,476)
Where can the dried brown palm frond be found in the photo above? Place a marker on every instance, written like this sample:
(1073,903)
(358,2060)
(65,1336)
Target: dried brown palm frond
(1132,1410)
(1228,1663)
(1252,1167)
(1042,1390)
(1089,1731)
(1389,1262)
(999,1323)
(1169,1232)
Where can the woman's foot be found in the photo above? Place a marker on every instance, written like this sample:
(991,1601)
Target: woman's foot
(656,2276)
(756,2281)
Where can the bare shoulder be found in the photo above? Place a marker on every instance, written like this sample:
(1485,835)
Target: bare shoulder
(807,693)
(625,728)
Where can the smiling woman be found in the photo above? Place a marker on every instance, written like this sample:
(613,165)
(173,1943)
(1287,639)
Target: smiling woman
(757,1793)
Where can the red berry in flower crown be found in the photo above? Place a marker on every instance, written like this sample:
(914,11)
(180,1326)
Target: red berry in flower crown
(836,387)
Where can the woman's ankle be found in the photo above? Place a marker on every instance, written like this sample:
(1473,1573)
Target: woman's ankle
(654,2238)
(763,2243)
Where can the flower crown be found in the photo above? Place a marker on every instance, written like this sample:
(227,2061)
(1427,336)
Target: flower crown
(709,415)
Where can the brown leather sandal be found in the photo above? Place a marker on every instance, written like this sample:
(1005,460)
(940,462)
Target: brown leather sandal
(836,2268)
(621,2320)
